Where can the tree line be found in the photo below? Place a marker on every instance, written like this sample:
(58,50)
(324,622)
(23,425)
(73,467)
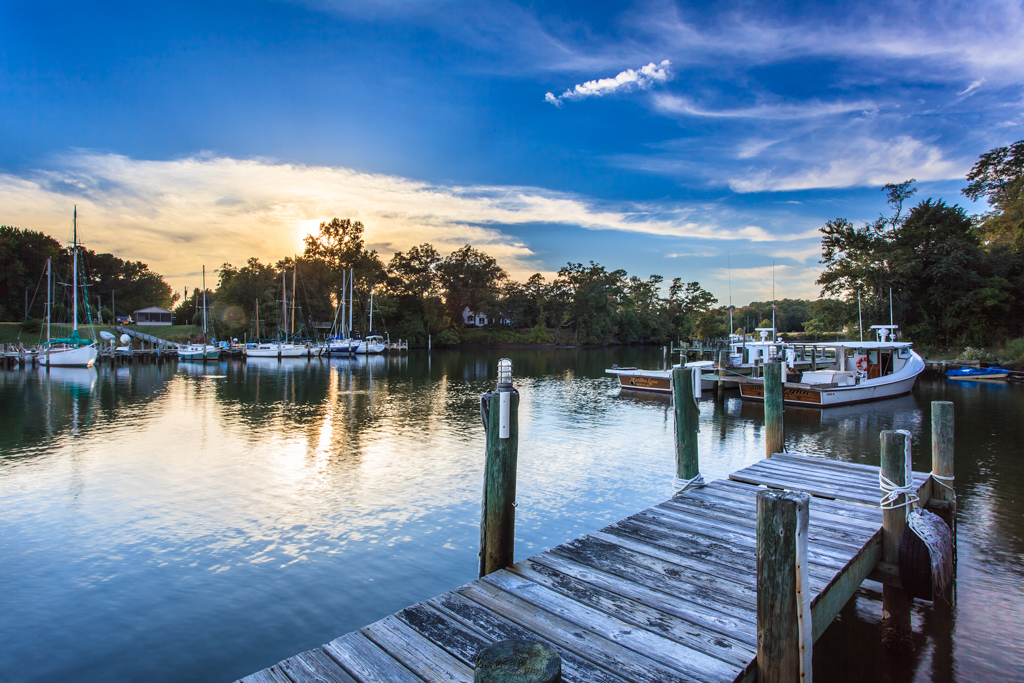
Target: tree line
(111,281)
(420,292)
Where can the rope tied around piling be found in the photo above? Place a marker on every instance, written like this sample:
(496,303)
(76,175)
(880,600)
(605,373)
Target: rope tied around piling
(893,491)
(682,484)
(941,481)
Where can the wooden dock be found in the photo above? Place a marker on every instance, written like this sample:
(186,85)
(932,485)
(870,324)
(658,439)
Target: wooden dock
(668,594)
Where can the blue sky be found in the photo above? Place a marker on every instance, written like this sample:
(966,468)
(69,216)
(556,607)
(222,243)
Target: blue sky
(677,139)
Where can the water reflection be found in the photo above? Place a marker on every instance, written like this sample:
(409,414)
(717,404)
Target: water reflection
(247,511)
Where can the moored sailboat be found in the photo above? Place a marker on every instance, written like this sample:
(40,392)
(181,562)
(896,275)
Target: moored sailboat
(200,350)
(72,351)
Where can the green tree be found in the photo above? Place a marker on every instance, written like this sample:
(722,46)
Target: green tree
(998,176)
(470,278)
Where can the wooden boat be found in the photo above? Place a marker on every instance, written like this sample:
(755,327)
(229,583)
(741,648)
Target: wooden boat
(864,371)
(657,381)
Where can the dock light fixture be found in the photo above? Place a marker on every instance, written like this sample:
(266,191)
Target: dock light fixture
(505,396)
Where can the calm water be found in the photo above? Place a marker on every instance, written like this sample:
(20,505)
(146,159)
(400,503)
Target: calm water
(201,523)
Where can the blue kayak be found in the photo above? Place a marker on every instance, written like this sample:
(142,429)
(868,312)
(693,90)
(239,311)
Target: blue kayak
(994,372)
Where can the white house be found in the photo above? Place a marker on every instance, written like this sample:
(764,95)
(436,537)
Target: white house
(471,319)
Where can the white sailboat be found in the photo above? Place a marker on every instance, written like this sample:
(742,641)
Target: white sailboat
(373,343)
(201,350)
(278,349)
(72,352)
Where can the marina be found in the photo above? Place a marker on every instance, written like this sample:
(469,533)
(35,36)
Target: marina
(386,551)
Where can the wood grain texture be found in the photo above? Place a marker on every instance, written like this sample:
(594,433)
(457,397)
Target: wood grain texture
(896,604)
(498,513)
(774,430)
(783,655)
(366,662)
(687,417)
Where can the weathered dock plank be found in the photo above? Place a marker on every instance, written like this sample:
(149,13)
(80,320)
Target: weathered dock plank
(667,594)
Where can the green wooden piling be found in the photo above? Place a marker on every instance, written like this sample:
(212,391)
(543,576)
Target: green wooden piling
(942,461)
(497,515)
(896,604)
(686,423)
(723,358)
(775,434)
(784,629)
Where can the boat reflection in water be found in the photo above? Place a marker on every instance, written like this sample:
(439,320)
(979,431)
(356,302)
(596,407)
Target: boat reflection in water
(75,380)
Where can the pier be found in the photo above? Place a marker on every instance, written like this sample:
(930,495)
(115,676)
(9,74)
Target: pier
(730,581)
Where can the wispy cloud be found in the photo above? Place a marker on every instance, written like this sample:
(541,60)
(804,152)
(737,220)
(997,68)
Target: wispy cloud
(971,88)
(178,214)
(787,281)
(861,161)
(678,105)
(626,81)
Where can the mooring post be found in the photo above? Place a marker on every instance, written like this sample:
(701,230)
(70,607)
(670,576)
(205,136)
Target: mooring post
(518,661)
(896,604)
(774,430)
(943,484)
(723,357)
(500,412)
(687,422)
(785,635)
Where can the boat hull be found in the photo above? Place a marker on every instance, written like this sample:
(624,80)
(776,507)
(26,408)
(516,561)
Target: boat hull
(81,357)
(654,381)
(199,353)
(833,396)
(278,351)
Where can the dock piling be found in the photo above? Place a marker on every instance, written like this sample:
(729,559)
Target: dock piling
(775,434)
(723,357)
(500,412)
(944,490)
(784,630)
(687,417)
(896,603)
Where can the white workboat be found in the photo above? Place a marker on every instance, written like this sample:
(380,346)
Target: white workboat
(863,371)
(657,381)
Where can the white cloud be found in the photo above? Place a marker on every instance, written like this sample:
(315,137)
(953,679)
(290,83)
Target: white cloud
(788,282)
(181,214)
(677,105)
(971,88)
(626,81)
(862,161)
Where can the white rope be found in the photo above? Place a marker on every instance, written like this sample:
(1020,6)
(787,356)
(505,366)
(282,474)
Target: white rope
(941,481)
(683,484)
(893,491)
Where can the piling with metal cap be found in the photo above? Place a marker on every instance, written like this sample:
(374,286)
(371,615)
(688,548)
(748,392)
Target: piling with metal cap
(500,412)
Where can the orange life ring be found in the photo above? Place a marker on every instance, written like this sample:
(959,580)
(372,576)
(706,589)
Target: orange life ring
(862,363)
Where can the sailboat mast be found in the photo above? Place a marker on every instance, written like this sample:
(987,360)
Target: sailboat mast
(728,262)
(204,304)
(74,273)
(257,321)
(294,272)
(351,304)
(284,304)
(371,309)
(341,304)
(49,295)
(860,317)
(774,332)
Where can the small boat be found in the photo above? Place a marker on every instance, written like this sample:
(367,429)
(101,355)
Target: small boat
(979,374)
(200,350)
(656,381)
(373,343)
